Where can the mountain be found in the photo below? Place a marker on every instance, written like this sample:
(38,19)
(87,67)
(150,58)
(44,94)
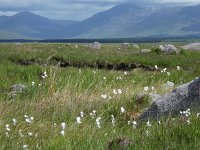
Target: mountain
(134,21)
(121,21)
(10,35)
(111,22)
(65,22)
(31,25)
(173,21)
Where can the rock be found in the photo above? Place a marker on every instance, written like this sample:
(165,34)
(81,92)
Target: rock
(169,49)
(126,45)
(95,45)
(19,44)
(12,94)
(154,96)
(184,97)
(169,85)
(18,87)
(136,46)
(192,46)
(119,143)
(143,98)
(145,51)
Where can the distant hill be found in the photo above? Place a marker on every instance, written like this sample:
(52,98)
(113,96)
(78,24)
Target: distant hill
(31,25)
(133,21)
(10,35)
(110,23)
(121,21)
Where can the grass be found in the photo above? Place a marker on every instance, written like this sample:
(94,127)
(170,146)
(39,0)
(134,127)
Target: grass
(68,91)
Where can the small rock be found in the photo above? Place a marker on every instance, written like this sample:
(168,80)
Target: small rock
(169,49)
(192,46)
(18,87)
(95,45)
(12,94)
(119,143)
(126,45)
(145,51)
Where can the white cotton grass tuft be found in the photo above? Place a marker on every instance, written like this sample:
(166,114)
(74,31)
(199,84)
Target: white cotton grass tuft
(98,122)
(82,114)
(125,73)
(78,120)
(186,113)
(122,110)
(148,124)
(30,134)
(32,83)
(7,134)
(147,133)
(156,66)
(20,133)
(62,132)
(178,68)
(119,78)
(117,91)
(113,120)
(28,119)
(188,121)
(93,114)
(14,121)
(63,126)
(198,115)
(7,127)
(134,123)
(104,96)
(25,146)
(146,88)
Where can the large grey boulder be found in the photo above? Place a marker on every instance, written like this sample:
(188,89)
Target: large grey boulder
(192,46)
(184,97)
(169,49)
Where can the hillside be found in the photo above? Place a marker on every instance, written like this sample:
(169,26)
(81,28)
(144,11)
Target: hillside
(121,21)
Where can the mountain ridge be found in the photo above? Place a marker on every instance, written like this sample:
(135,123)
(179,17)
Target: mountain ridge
(121,21)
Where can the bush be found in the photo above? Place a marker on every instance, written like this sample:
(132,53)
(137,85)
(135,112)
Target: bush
(156,50)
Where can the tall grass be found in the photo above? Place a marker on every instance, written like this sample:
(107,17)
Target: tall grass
(67,91)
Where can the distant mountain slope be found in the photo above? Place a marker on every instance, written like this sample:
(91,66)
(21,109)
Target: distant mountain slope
(10,35)
(140,21)
(121,21)
(110,22)
(65,22)
(29,24)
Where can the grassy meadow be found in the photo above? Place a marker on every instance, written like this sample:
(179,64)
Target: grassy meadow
(44,115)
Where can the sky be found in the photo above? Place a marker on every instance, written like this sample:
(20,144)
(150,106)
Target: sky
(74,9)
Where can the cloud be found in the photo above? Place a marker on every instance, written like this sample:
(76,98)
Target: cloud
(71,9)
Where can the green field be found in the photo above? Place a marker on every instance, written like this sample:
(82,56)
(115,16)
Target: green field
(78,86)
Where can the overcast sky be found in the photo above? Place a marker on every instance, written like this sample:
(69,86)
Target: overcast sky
(73,9)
